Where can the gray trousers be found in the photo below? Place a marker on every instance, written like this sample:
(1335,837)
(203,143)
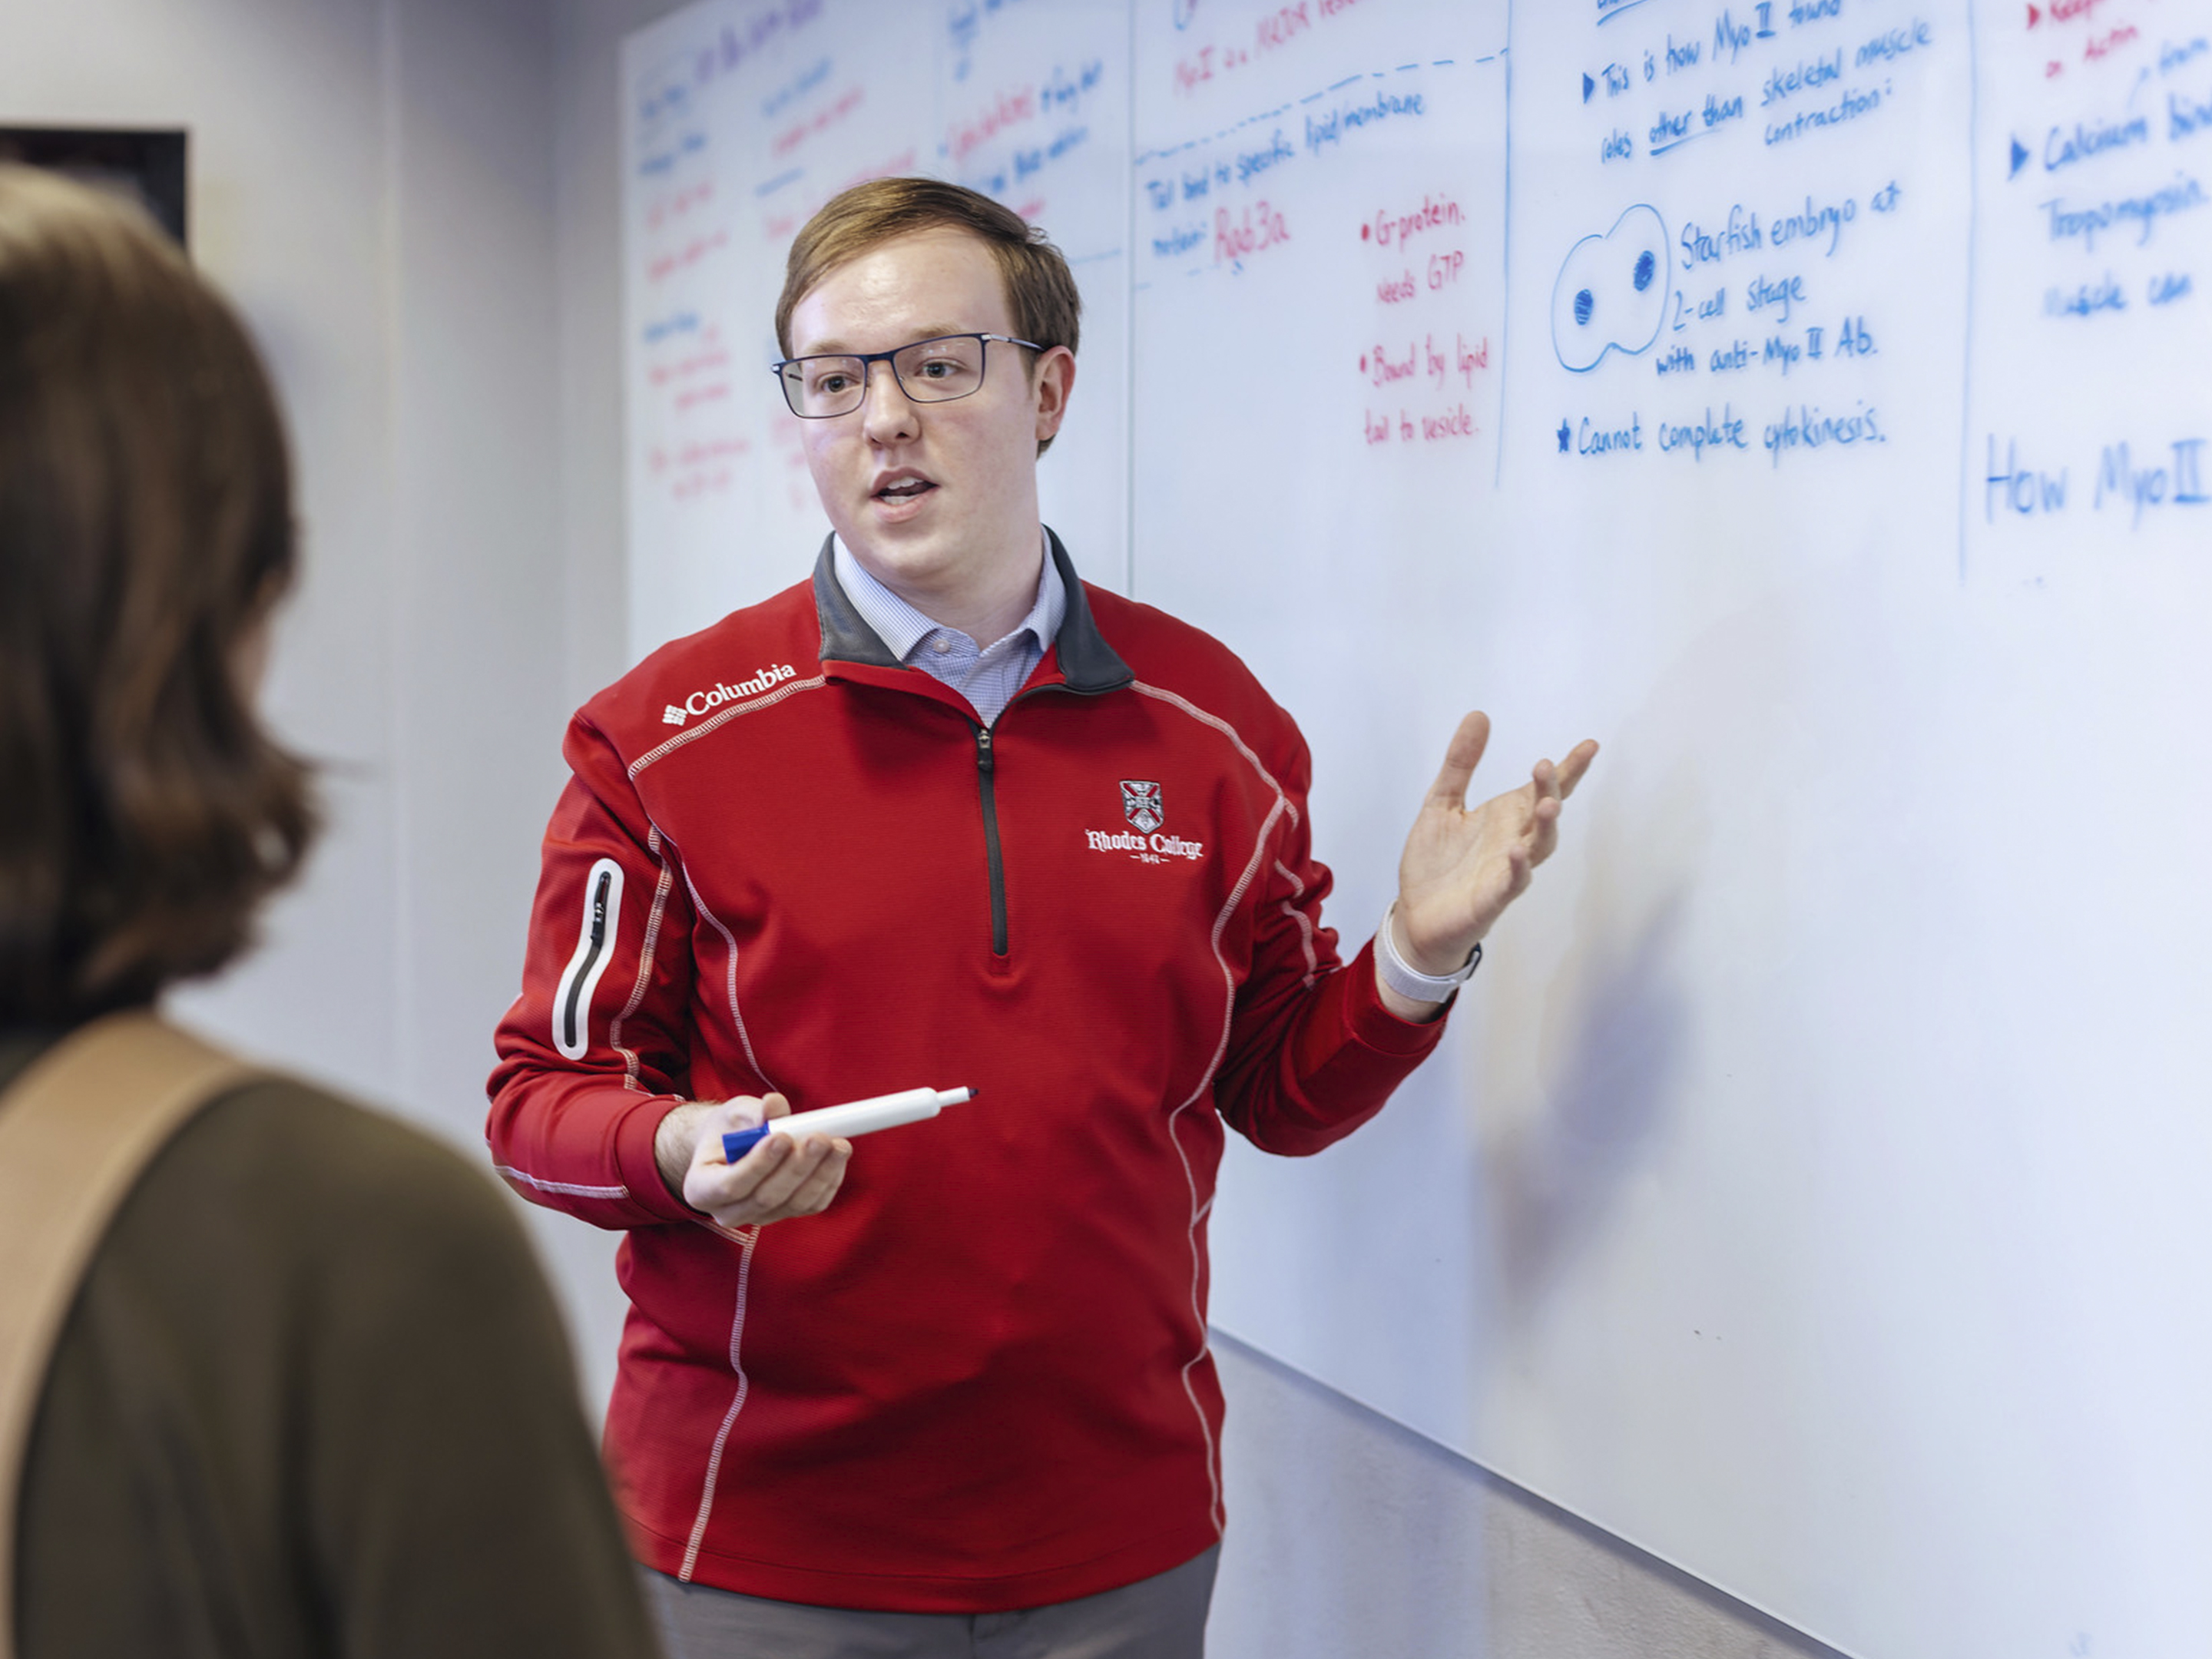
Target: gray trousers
(1158,1618)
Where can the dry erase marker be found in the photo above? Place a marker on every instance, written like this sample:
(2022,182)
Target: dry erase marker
(858,1117)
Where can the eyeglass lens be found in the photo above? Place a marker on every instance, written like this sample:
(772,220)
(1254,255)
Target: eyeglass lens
(928,371)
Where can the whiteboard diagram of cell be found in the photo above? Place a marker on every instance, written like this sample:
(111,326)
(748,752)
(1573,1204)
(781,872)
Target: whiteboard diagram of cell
(1612,292)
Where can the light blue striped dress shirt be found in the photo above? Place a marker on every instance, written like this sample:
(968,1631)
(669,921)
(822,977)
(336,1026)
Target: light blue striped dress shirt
(987,675)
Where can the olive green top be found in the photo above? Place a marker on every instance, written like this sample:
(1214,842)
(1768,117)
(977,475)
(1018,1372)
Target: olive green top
(315,1398)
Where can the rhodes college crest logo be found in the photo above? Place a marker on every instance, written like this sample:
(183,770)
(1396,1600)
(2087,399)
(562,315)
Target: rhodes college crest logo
(1141,805)
(1142,840)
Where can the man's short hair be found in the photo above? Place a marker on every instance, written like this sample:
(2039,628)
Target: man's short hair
(145,527)
(1041,290)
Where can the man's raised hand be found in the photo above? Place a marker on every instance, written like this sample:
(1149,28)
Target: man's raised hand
(1463,866)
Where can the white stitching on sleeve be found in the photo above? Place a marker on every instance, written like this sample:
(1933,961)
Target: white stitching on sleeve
(645,954)
(730,973)
(788,688)
(566,1189)
(1226,730)
(1289,907)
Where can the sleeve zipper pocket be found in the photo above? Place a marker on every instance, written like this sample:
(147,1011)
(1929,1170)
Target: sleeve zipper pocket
(572,1001)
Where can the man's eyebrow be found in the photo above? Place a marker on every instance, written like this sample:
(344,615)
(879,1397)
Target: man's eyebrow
(834,348)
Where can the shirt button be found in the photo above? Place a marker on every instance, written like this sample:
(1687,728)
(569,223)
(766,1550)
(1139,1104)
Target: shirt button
(940,645)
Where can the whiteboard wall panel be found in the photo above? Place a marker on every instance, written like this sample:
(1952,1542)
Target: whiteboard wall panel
(1809,399)
(741,119)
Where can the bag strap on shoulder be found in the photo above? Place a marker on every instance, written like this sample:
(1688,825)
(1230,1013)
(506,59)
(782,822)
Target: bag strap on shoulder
(77,1130)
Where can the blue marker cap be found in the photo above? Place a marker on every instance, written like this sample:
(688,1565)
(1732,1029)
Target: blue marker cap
(738,1142)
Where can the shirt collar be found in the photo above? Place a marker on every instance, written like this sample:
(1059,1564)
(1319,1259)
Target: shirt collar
(903,628)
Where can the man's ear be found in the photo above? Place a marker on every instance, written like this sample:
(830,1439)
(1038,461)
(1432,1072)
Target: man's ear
(1052,382)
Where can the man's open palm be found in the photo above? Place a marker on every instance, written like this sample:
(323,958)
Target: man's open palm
(1463,866)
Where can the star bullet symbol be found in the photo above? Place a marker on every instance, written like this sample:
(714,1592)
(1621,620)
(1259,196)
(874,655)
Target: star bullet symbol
(1566,436)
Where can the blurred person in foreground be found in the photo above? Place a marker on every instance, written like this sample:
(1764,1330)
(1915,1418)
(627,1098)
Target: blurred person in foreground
(312,1395)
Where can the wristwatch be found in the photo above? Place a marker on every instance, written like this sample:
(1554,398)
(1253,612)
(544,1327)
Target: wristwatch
(1409,981)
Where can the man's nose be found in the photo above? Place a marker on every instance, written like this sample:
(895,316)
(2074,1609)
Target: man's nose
(887,414)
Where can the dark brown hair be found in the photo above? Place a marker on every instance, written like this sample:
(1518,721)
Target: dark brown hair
(1041,290)
(145,529)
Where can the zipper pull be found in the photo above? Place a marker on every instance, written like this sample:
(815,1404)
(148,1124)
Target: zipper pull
(983,762)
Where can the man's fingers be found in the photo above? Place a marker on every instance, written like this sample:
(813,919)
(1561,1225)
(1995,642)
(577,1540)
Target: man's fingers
(806,1180)
(803,1186)
(775,1187)
(1462,756)
(813,1194)
(721,1118)
(714,1184)
(747,1175)
(1544,832)
(1519,867)
(1576,762)
(1466,751)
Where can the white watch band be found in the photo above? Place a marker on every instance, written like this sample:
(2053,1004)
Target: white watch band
(1409,981)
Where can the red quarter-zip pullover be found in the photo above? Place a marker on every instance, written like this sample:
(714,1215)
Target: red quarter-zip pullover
(980,1380)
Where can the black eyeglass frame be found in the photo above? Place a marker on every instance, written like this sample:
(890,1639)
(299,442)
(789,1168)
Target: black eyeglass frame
(780,370)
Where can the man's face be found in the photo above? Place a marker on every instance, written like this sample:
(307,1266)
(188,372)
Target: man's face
(935,499)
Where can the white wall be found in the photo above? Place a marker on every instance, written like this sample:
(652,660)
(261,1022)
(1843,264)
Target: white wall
(587,35)
(416,204)
(289,201)
(375,183)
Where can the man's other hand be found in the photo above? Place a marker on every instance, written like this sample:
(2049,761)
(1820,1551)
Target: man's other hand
(783,1176)
(1462,867)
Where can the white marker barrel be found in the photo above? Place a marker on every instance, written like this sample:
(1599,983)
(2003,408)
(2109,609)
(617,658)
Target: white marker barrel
(861,1117)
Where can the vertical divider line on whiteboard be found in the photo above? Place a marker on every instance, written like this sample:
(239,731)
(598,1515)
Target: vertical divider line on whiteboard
(1129,323)
(1974,248)
(1506,267)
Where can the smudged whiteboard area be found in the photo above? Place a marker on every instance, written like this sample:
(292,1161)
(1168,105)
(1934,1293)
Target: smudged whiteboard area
(1809,400)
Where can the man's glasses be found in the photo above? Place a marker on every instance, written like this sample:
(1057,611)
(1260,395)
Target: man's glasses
(928,371)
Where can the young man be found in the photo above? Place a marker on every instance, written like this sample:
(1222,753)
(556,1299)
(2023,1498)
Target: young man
(955,818)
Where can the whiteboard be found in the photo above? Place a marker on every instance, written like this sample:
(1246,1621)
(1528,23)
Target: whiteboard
(1807,399)
(741,120)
